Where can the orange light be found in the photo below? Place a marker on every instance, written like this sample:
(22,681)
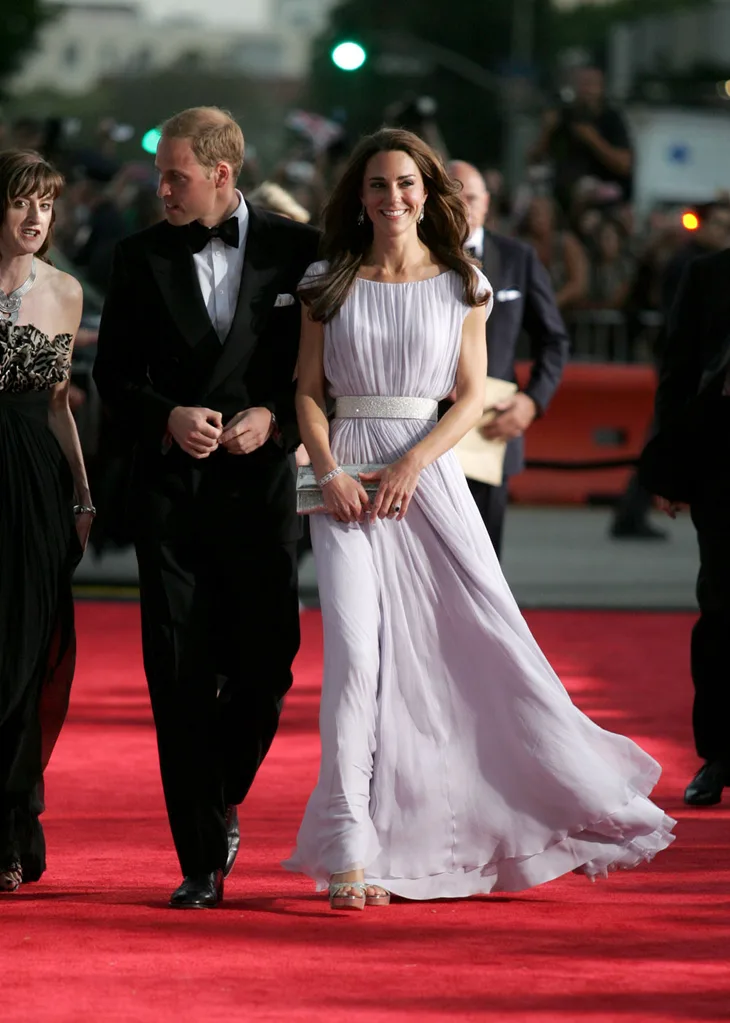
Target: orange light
(690,221)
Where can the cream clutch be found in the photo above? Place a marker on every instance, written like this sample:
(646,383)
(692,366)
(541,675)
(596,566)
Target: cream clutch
(309,496)
(483,459)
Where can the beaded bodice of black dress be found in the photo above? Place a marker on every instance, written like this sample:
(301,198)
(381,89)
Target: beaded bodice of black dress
(38,553)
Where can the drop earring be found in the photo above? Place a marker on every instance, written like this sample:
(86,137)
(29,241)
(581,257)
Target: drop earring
(361,217)
(421,214)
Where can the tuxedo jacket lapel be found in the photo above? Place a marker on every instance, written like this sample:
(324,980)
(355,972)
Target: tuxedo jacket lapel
(259,271)
(492,262)
(174,269)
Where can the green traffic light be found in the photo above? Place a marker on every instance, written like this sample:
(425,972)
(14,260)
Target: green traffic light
(151,140)
(349,56)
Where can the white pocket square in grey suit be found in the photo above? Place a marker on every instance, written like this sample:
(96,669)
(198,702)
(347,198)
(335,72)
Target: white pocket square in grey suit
(284,300)
(508,295)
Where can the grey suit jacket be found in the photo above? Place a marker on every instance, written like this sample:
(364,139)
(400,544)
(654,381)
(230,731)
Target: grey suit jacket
(524,301)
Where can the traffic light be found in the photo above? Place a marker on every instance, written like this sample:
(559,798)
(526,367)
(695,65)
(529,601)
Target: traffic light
(348,56)
(151,140)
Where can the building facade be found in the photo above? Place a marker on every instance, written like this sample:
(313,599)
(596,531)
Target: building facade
(87,41)
(671,43)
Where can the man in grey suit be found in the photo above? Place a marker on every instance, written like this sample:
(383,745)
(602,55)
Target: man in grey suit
(524,301)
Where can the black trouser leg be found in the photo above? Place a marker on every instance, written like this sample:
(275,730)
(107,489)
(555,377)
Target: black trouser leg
(492,505)
(711,634)
(220,628)
(260,619)
(178,605)
(304,544)
(634,506)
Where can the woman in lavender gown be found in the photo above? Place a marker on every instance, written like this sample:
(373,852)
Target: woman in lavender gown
(453,761)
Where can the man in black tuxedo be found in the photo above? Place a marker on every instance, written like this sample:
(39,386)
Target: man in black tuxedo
(631,520)
(686,463)
(523,301)
(196,357)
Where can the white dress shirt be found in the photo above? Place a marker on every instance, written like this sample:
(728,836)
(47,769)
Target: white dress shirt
(219,268)
(476,241)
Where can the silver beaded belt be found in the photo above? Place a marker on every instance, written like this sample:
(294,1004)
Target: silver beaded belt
(373,406)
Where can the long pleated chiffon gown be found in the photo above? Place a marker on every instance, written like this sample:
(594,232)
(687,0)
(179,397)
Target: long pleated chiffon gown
(453,760)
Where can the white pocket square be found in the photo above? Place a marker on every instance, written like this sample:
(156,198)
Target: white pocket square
(284,300)
(509,295)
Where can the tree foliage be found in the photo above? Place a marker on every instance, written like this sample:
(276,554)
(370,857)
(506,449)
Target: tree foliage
(397,65)
(20,21)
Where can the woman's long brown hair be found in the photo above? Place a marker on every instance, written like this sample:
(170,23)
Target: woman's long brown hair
(444,228)
(23,173)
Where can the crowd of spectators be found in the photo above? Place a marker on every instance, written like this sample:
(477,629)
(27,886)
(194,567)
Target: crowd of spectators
(575,207)
(610,272)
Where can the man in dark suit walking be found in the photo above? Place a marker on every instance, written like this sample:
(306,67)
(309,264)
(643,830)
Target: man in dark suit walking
(686,463)
(524,301)
(196,357)
(631,519)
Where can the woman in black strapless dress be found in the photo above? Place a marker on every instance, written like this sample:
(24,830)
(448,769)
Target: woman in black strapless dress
(45,505)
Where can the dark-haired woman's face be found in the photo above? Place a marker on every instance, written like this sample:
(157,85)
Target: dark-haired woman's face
(393,193)
(26,224)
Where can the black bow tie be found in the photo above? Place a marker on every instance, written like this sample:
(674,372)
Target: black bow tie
(199,235)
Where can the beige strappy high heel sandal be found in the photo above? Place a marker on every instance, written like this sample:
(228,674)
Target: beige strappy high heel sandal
(381,899)
(340,898)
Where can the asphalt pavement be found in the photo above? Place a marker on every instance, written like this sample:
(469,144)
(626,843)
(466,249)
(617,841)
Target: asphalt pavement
(553,557)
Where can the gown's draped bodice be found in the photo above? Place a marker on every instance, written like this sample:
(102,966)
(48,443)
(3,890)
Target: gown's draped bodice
(397,339)
(31,360)
(401,340)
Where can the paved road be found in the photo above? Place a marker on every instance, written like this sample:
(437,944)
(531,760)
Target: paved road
(554,557)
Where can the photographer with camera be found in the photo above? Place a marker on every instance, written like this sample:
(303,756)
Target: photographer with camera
(586,138)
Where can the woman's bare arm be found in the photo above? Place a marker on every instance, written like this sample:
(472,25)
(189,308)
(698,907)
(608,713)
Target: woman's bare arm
(60,418)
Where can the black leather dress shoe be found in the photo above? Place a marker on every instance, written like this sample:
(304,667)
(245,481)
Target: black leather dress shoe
(204,891)
(706,787)
(234,838)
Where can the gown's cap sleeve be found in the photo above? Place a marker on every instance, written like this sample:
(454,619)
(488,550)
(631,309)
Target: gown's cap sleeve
(484,288)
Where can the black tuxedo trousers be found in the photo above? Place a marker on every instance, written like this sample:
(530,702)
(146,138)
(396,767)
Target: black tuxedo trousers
(688,460)
(220,629)
(710,649)
(492,504)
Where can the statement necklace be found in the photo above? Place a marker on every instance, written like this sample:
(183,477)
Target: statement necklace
(10,304)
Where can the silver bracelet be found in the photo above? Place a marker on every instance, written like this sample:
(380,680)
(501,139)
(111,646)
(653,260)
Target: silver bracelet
(84,509)
(329,476)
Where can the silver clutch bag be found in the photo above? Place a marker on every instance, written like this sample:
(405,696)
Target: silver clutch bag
(309,496)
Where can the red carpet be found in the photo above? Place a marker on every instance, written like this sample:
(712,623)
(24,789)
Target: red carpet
(94,941)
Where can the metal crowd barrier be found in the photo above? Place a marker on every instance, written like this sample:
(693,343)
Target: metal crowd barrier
(607,335)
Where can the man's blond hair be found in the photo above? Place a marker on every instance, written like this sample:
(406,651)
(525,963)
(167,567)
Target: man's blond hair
(214,136)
